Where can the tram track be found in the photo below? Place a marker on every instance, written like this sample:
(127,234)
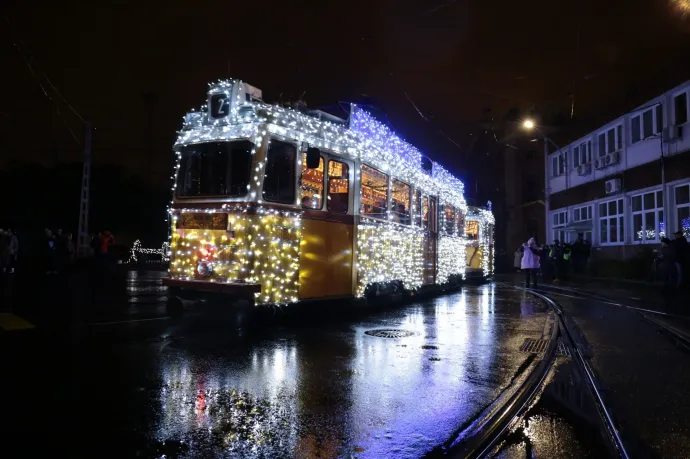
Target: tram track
(678,337)
(484,436)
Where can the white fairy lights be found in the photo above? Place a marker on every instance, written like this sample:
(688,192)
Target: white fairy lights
(486,222)
(163,252)
(263,245)
(388,251)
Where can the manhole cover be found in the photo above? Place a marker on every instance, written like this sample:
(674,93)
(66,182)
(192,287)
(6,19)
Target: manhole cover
(534,346)
(390,333)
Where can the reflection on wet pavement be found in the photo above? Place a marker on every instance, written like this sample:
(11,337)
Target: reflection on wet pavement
(563,423)
(319,390)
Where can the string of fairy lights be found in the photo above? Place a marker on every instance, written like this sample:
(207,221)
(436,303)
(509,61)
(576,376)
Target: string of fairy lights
(163,252)
(261,245)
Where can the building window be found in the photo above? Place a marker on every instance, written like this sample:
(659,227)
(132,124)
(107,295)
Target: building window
(610,141)
(400,202)
(576,156)
(582,214)
(612,222)
(557,165)
(560,219)
(586,152)
(682,195)
(647,124)
(635,131)
(338,187)
(312,185)
(374,193)
(648,216)
(680,108)
(279,178)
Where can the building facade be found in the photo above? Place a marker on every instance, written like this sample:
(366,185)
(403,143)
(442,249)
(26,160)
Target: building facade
(626,184)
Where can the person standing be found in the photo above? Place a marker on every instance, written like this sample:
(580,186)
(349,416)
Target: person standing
(556,257)
(14,250)
(544,265)
(682,253)
(49,252)
(530,262)
(517,258)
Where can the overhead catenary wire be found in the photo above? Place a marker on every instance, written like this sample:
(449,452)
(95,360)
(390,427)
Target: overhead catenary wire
(27,61)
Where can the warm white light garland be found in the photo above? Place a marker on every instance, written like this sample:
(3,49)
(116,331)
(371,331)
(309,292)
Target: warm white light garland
(163,252)
(388,251)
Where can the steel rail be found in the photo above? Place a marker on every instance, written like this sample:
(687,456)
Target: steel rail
(479,438)
(608,420)
(682,338)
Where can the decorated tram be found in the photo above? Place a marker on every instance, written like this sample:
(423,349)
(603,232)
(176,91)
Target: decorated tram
(281,205)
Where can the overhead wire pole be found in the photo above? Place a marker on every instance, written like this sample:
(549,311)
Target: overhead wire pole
(83,226)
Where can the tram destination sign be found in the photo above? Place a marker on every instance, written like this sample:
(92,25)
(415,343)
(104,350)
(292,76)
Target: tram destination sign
(212,221)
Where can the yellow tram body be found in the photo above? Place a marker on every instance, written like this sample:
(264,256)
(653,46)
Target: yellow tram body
(279,206)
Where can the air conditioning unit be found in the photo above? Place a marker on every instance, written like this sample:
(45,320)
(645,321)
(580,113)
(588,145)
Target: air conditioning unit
(672,133)
(612,186)
(599,163)
(612,158)
(584,169)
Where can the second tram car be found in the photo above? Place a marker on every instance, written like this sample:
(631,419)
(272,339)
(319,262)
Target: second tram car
(278,206)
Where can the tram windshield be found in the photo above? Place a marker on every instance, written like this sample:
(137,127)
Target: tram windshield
(215,169)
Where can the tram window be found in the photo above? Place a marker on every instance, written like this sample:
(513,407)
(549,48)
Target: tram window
(449,214)
(279,178)
(214,169)
(433,216)
(374,193)
(417,208)
(472,230)
(461,223)
(425,212)
(400,202)
(312,185)
(338,187)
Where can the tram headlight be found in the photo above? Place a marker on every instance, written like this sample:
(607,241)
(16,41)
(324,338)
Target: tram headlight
(204,268)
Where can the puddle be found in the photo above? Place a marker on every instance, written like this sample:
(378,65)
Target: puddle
(564,423)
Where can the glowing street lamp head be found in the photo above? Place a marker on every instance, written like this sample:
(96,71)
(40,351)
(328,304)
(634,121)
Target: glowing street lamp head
(528,124)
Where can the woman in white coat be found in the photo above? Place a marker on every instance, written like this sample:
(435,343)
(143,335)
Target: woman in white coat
(530,262)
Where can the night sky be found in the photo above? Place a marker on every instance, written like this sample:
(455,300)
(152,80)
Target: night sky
(134,68)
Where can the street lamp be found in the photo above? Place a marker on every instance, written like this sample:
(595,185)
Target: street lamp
(529,125)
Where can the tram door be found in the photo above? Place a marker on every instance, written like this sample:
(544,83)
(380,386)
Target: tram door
(430,225)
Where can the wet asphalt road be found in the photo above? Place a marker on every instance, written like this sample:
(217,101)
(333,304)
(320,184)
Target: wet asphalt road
(141,384)
(118,377)
(645,377)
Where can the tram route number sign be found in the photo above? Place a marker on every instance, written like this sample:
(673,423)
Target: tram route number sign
(220,105)
(214,221)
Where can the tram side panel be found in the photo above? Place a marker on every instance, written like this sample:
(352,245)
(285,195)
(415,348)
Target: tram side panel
(326,256)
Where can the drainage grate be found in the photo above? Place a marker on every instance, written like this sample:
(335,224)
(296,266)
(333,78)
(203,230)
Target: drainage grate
(563,350)
(534,346)
(390,333)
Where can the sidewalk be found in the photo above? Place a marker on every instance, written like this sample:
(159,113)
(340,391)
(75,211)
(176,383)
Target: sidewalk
(637,294)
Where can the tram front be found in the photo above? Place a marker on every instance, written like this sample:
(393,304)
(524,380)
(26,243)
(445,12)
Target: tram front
(235,221)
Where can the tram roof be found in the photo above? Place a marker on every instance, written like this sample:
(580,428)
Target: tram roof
(362,137)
